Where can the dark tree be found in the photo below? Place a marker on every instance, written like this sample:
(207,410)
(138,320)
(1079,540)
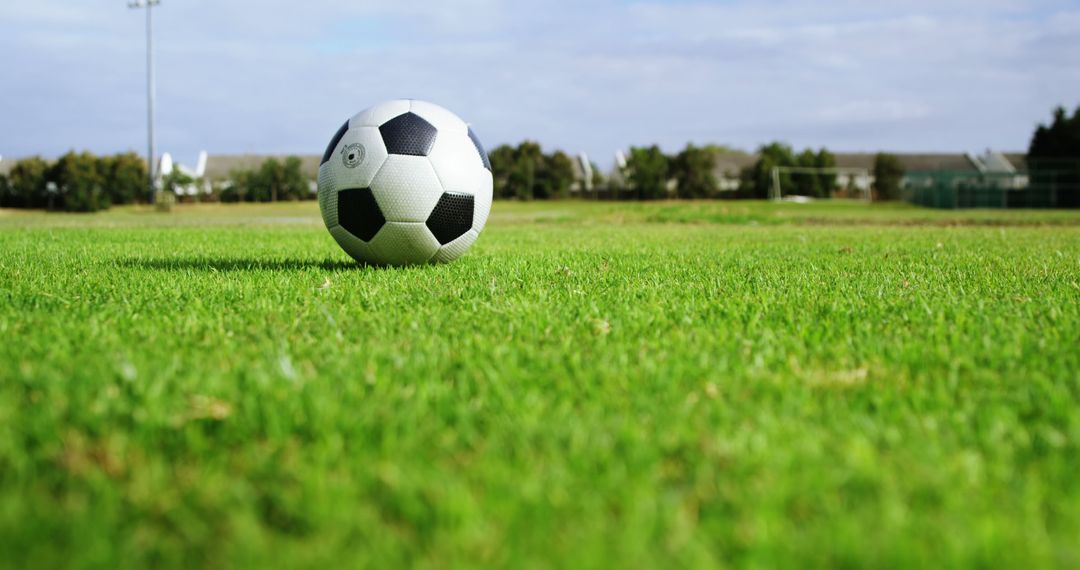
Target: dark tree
(527,170)
(79,181)
(648,172)
(756,180)
(557,176)
(502,164)
(29,181)
(827,181)
(238,185)
(815,184)
(1059,140)
(294,185)
(270,182)
(1054,158)
(888,173)
(694,172)
(125,177)
(526,173)
(807,183)
(7,197)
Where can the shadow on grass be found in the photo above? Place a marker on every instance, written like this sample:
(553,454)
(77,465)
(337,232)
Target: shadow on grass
(239,264)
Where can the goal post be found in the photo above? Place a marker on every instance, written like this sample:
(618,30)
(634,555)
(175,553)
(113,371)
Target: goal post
(850,172)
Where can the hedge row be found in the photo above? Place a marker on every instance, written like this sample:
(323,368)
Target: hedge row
(76,182)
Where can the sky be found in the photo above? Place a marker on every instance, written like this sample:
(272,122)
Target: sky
(591,76)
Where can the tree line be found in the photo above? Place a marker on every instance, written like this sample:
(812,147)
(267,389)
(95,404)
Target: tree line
(271,181)
(84,182)
(76,182)
(525,172)
(1054,157)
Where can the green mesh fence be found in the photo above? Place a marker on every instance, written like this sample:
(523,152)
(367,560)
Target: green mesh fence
(1047,184)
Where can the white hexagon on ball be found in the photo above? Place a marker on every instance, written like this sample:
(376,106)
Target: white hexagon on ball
(405,182)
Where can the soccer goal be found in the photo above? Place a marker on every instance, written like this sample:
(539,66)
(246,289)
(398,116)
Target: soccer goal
(857,178)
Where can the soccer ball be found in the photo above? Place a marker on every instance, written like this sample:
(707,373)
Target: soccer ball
(405,182)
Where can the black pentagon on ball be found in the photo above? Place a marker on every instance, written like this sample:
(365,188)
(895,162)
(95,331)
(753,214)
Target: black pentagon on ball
(359,213)
(333,143)
(408,134)
(480,149)
(452,217)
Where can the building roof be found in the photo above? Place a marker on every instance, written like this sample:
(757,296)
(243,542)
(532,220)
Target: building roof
(730,162)
(220,166)
(910,161)
(1017,159)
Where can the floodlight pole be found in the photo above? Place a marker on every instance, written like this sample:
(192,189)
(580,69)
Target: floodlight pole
(148,4)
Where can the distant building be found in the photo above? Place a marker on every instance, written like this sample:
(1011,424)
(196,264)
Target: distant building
(219,167)
(1010,167)
(912,162)
(729,167)
(730,164)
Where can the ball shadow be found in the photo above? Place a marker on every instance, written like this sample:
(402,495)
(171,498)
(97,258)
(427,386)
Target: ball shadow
(236,264)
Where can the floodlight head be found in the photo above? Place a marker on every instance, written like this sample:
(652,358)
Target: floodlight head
(135,4)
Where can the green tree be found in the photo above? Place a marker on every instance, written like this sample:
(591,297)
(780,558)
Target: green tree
(1058,140)
(6,195)
(756,180)
(1054,157)
(125,178)
(80,183)
(294,185)
(806,183)
(238,185)
(815,184)
(29,181)
(556,177)
(527,170)
(888,173)
(827,181)
(245,186)
(176,182)
(270,180)
(694,172)
(502,165)
(648,171)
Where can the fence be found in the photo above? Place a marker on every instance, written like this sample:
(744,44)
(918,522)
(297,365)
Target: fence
(1048,184)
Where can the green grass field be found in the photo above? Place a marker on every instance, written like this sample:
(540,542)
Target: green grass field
(592,386)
